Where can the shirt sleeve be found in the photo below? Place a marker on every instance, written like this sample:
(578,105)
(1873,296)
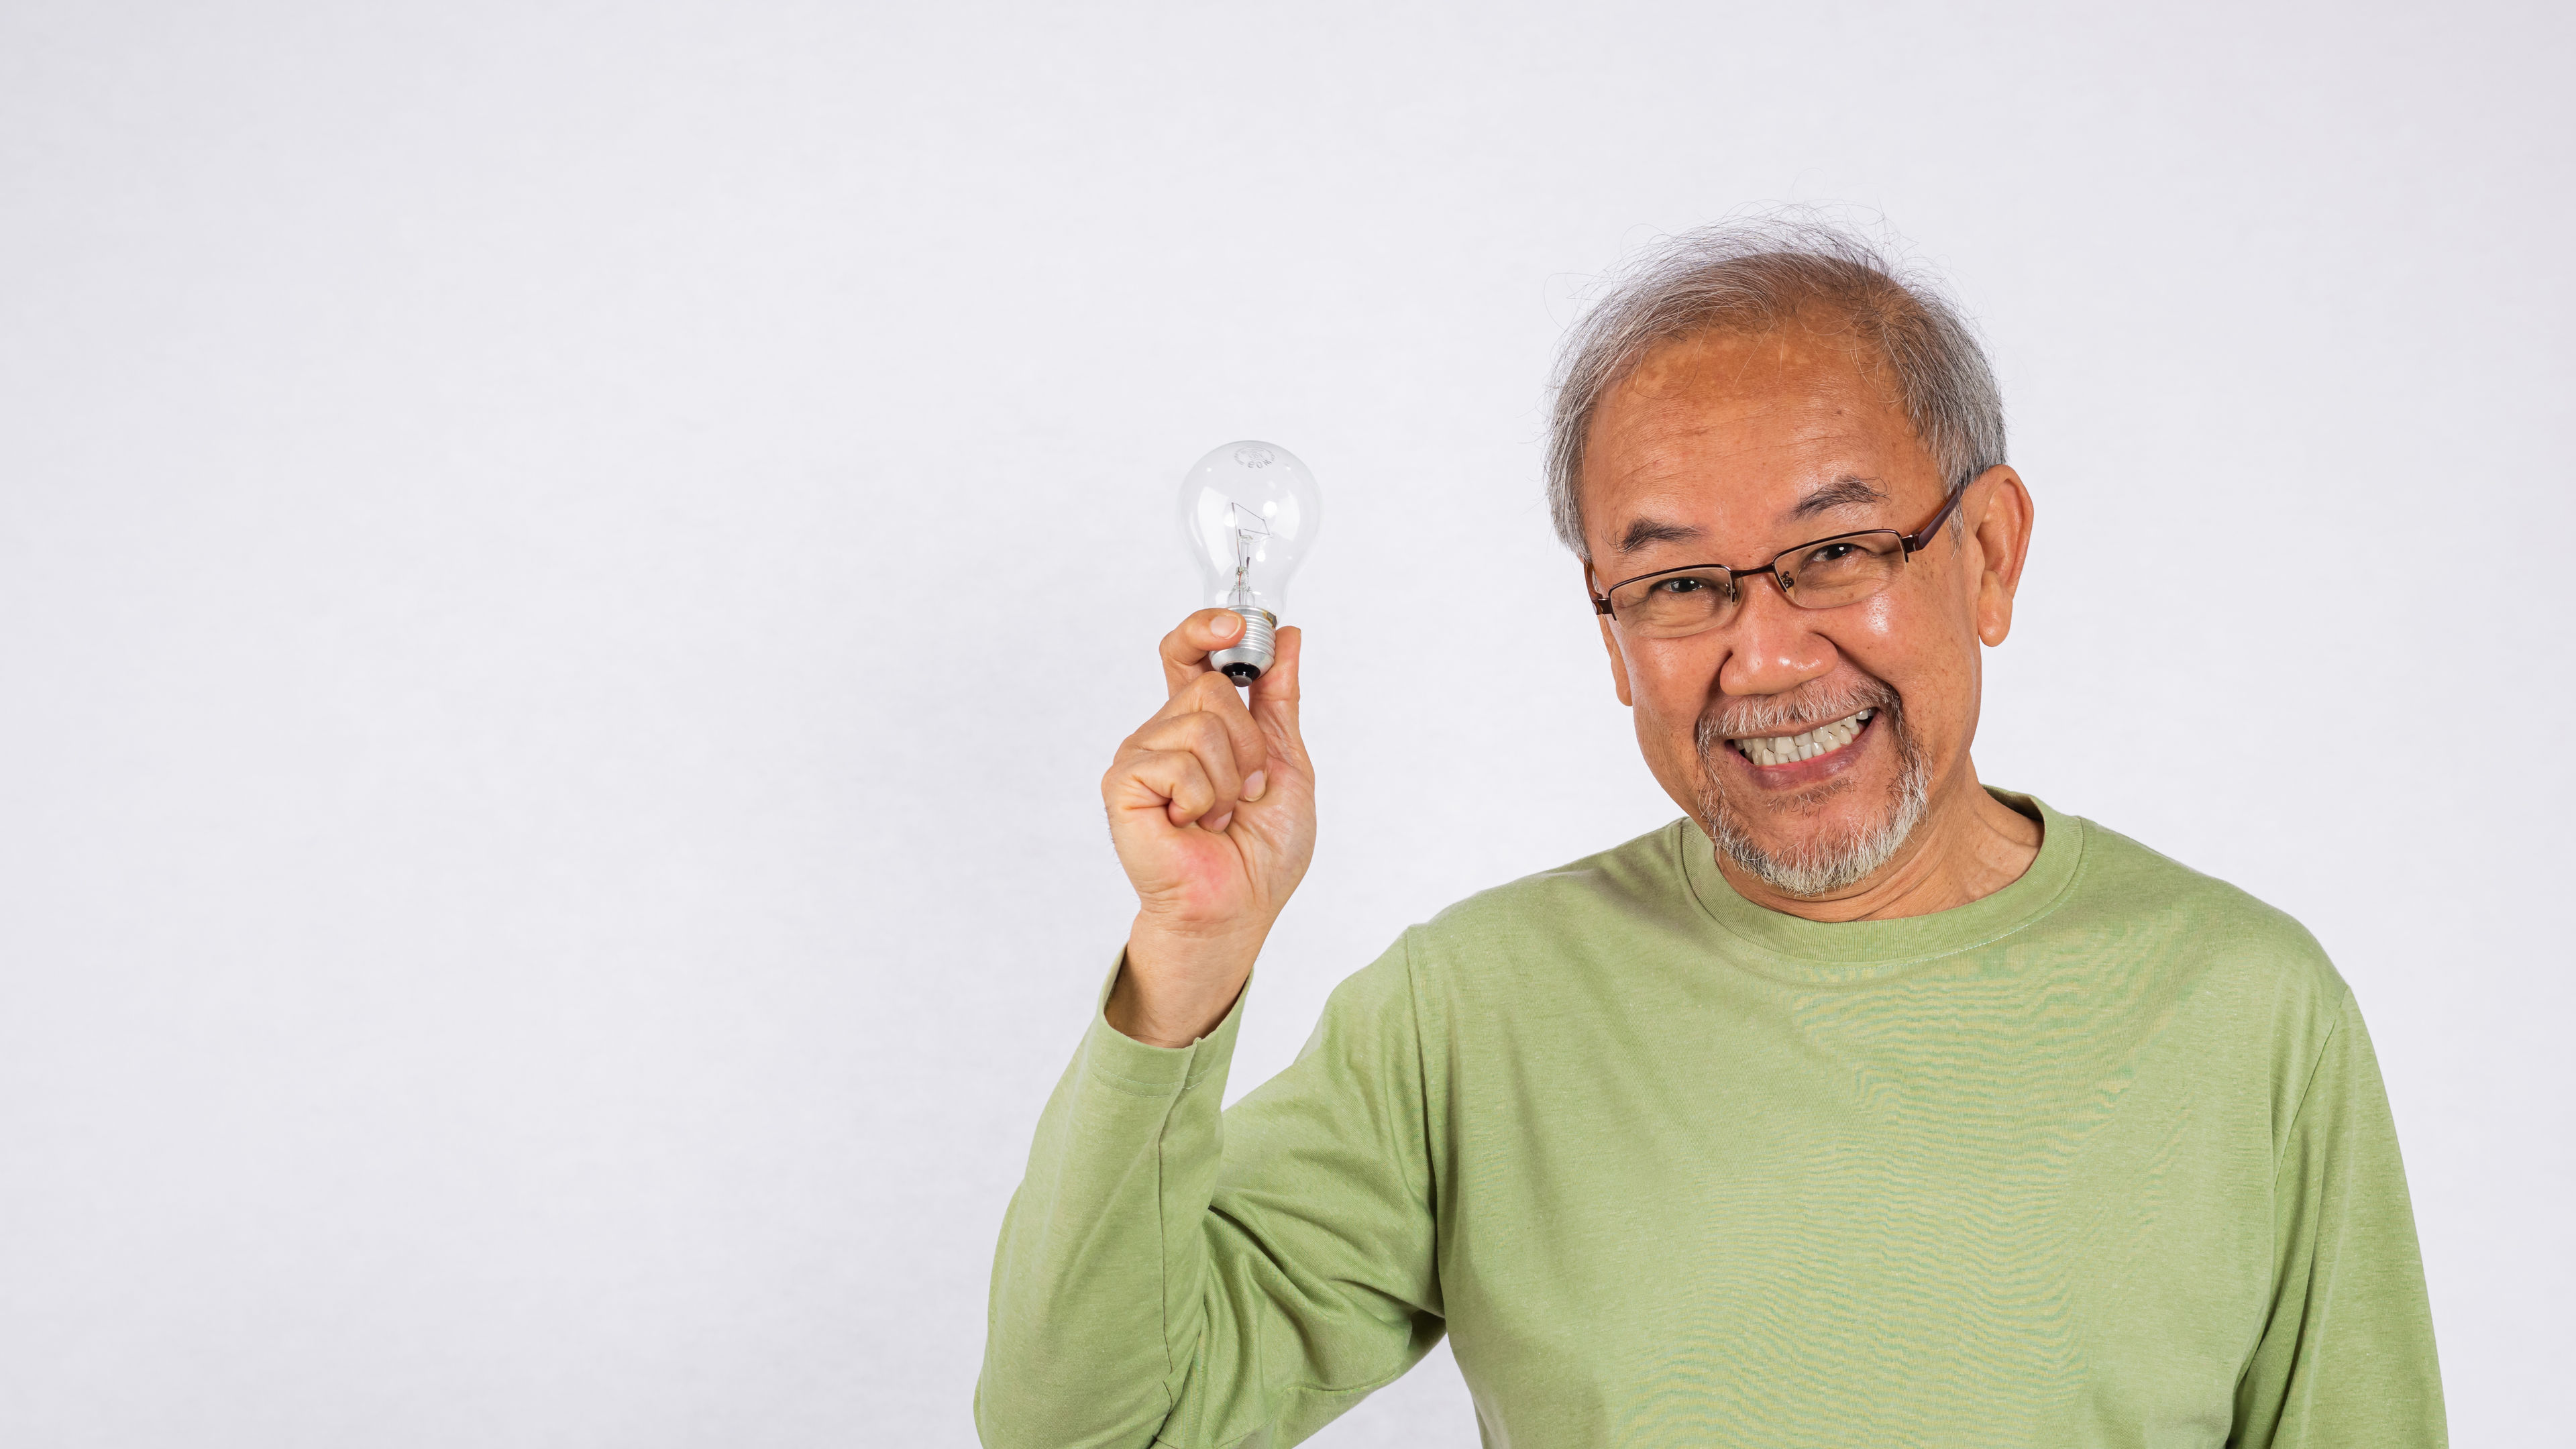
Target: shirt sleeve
(2346,1358)
(1172,1274)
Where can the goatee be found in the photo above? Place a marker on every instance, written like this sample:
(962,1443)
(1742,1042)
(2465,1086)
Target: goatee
(1834,859)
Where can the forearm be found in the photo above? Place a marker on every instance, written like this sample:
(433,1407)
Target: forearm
(1125,1307)
(1095,1308)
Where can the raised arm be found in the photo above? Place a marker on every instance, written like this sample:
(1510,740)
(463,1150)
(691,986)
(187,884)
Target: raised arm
(1167,1273)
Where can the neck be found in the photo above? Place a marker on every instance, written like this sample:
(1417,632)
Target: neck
(1968,846)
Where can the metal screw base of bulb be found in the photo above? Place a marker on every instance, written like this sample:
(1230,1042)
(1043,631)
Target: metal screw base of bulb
(1252,658)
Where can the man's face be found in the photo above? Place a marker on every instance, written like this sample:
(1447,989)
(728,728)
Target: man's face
(1728,448)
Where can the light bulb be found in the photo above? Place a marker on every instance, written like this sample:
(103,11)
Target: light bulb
(1249,511)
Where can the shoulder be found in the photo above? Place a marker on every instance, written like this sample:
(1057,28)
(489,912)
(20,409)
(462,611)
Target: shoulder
(2125,887)
(1629,886)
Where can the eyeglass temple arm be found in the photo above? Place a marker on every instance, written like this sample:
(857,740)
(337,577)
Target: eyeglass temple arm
(1919,538)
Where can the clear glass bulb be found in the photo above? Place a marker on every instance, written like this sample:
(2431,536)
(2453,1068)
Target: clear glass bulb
(1249,511)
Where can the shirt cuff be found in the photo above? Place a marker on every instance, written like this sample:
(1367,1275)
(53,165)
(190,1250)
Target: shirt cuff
(1119,1060)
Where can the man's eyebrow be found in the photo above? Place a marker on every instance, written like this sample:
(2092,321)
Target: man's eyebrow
(1848,491)
(1646,531)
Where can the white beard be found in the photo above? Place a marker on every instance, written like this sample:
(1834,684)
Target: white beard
(1836,862)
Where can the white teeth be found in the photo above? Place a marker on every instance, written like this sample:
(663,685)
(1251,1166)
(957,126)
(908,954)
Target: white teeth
(1822,740)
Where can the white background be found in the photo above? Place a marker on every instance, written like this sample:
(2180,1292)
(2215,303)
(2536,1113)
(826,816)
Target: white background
(567,573)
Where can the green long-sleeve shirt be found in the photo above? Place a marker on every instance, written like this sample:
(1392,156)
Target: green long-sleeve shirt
(2100,1159)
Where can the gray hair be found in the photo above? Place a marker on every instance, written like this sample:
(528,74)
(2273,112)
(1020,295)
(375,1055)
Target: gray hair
(1755,275)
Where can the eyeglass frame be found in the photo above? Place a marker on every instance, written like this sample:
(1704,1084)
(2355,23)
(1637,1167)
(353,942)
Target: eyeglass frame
(1913,543)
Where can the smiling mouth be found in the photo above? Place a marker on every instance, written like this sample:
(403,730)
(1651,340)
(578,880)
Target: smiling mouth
(1824,739)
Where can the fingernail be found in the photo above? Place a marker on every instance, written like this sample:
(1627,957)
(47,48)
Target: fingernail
(1226,623)
(1218,824)
(1255,783)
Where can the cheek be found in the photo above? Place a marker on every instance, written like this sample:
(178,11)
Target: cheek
(1669,677)
(1880,619)
(1928,654)
(1669,683)
(1877,637)
(1909,641)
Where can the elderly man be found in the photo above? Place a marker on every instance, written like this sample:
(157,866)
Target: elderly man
(1869,1104)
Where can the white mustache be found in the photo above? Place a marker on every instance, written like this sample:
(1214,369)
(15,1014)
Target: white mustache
(1800,709)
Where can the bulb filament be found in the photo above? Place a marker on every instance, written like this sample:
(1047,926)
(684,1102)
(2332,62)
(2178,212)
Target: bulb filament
(1248,526)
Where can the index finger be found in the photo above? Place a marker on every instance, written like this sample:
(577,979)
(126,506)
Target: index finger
(1186,649)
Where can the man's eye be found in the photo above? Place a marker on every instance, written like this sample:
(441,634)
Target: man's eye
(1833,553)
(1679,586)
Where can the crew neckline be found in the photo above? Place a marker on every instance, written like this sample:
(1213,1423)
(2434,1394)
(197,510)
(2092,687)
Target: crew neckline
(1860,950)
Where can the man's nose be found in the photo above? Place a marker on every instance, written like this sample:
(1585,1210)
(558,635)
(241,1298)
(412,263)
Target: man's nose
(1772,644)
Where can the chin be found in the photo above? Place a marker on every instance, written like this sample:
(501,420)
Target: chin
(1820,825)
(1825,862)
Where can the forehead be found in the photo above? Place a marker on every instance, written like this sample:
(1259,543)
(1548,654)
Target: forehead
(1730,430)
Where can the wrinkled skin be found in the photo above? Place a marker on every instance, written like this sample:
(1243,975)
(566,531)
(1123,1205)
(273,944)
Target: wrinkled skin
(1727,448)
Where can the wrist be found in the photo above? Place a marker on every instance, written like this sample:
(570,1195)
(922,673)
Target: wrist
(1173,989)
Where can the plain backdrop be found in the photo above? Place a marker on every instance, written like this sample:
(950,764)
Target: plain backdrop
(568,572)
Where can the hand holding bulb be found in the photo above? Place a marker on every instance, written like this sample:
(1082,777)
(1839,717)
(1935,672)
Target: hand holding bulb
(1211,802)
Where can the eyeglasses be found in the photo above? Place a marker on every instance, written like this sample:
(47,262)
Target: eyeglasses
(1824,573)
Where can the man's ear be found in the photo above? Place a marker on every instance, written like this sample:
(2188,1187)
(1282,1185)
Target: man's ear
(1618,661)
(2001,530)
